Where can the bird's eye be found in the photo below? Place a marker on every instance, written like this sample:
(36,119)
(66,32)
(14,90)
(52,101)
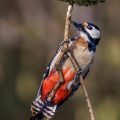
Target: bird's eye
(89,27)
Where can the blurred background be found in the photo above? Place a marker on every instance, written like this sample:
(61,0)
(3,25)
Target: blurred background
(30,32)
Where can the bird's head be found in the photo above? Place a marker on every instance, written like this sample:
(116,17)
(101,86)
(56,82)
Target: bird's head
(89,31)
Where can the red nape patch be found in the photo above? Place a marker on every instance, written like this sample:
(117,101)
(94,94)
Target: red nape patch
(50,82)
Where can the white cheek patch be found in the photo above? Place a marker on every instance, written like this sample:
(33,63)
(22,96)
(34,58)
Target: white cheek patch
(94,33)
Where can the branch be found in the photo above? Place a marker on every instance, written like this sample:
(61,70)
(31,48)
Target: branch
(68,21)
(77,67)
(66,36)
(87,99)
(66,33)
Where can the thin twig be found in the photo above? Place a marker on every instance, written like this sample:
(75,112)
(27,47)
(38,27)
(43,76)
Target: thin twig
(68,21)
(77,67)
(92,116)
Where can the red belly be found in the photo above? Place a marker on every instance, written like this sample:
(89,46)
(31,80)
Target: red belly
(50,82)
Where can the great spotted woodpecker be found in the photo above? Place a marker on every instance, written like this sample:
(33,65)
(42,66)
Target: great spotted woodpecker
(82,49)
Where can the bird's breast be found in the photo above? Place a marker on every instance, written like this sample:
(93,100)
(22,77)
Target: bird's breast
(83,56)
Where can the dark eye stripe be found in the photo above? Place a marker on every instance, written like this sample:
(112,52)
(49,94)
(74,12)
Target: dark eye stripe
(94,26)
(90,27)
(93,40)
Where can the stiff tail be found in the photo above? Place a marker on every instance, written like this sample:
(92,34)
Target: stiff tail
(42,109)
(38,116)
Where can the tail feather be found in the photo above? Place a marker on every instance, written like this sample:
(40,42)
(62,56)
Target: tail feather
(43,109)
(38,116)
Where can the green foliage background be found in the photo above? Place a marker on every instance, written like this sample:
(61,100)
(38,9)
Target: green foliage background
(30,32)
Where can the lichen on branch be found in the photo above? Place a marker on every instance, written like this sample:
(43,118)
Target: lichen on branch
(84,2)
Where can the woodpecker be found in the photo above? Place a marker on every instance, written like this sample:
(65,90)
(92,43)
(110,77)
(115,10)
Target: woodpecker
(82,50)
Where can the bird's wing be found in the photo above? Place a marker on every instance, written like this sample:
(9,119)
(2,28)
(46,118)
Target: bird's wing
(44,106)
(51,66)
(48,70)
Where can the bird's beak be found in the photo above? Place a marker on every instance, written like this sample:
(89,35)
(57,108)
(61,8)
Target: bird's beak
(76,25)
(80,26)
